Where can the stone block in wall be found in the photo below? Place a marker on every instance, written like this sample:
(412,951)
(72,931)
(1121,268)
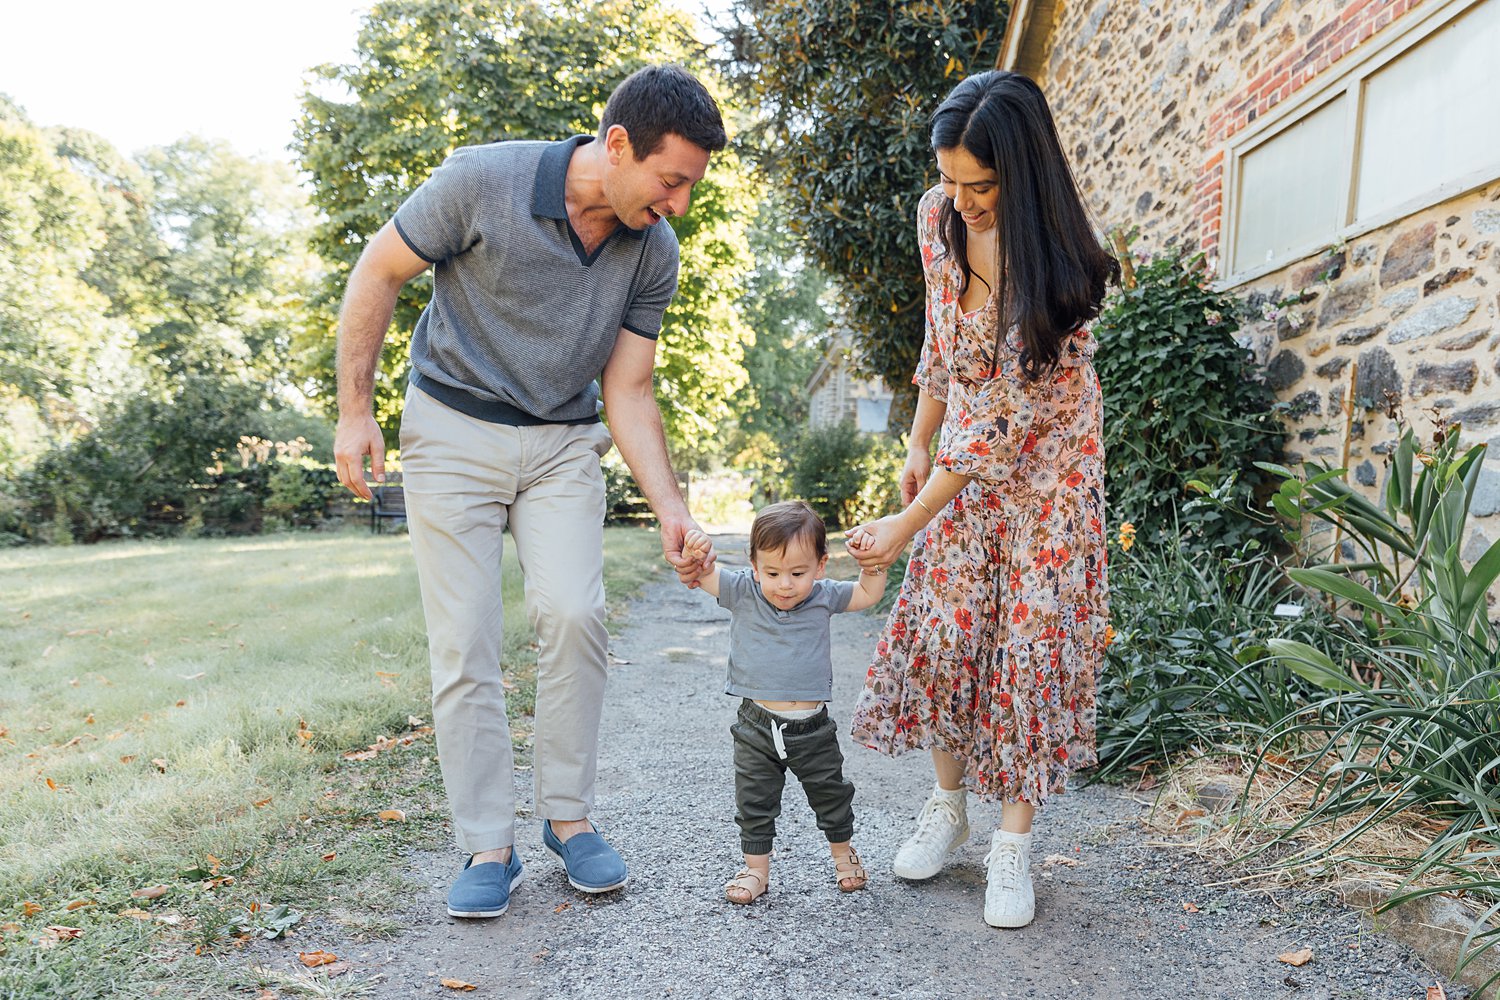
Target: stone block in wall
(1449,277)
(1304,404)
(1284,371)
(1360,334)
(1377,377)
(1455,376)
(1478,544)
(1487,220)
(1464,341)
(1481,415)
(1364,474)
(1346,300)
(1400,301)
(1486,494)
(1331,369)
(1320,270)
(1443,314)
(1408,255)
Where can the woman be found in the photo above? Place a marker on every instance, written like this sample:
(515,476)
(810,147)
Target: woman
(989,656)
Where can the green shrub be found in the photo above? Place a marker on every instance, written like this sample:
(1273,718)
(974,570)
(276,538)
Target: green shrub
(1182,401)
(848,477)
(298,491)
(1187,665)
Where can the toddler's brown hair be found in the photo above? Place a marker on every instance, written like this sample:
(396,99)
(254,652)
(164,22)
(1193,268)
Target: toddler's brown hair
(779,524)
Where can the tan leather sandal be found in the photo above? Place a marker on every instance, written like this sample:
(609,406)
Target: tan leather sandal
(849,872)
(748,881)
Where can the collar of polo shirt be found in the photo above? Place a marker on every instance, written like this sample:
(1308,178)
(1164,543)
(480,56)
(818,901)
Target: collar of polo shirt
(548,195)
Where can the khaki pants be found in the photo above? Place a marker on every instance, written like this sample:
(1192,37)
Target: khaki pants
(466,481)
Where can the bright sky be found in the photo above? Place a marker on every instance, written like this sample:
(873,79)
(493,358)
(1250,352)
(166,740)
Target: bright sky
(147,72)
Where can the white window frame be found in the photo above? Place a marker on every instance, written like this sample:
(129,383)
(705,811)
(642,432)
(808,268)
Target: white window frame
(1363,62)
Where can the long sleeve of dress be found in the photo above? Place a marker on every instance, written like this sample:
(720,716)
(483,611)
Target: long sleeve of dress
(932,372)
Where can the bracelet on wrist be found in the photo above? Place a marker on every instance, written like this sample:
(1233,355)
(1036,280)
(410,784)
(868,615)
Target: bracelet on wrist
(929,510)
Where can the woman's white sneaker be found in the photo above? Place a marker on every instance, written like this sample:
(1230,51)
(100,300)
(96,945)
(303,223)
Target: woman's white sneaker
(941,828)
(1009,899)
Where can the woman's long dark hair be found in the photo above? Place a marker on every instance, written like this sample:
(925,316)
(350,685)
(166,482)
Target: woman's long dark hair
(1052,269)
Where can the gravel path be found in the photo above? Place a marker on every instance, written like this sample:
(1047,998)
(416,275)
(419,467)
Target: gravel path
(1112,926)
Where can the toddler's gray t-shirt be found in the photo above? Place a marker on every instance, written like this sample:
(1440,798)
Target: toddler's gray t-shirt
(777,655)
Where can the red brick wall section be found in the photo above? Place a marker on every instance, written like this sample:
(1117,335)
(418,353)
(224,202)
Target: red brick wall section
(1294,69)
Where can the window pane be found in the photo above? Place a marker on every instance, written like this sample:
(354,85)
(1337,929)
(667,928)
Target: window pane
(1431,115)
(1289,188)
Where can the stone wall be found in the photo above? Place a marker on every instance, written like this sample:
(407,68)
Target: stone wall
(1146,97)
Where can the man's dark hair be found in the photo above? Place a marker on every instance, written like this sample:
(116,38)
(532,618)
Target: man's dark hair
(658,101)
(778,525)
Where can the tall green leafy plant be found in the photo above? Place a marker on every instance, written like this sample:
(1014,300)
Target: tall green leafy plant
(1410,713)
(1182,402)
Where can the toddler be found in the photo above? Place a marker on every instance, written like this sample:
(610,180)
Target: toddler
(781,666)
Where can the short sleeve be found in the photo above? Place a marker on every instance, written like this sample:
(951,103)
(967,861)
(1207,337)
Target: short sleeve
(437,220)
(932,371)
(836,594)
(734,587)
(655,285)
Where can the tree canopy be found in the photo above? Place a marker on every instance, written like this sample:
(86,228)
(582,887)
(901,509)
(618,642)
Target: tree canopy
(846,89)
(432,75)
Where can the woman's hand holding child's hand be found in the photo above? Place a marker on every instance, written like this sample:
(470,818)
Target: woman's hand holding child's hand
(877,544)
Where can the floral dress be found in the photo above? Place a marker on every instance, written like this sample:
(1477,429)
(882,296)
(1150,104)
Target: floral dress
(992,648)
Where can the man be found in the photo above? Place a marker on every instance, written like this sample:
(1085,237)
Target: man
(552,266)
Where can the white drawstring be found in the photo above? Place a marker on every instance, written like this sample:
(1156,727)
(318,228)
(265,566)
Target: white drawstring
(776,730)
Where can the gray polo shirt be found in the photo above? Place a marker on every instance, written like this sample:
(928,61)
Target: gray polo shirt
(777,655)
(522,320)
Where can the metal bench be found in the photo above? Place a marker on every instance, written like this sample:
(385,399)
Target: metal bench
(387,503)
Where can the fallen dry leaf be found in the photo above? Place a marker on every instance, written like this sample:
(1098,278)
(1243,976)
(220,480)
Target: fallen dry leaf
(135,913)
(150,892)
(266,994)
(161,764)
(79,904)
(458,984)
(561,907)
(61,933)
(1436,992)
(1296,958)
(52,784)
(181,702)
(1190,907)
(1061,859)
(127,758)
(262,802)
(29,909)
(395,815)
(329,856)
(88,720)
(1188,814)
(337,968)
(313,959)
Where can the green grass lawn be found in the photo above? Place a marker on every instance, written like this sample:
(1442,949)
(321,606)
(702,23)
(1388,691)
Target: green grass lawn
(172,710)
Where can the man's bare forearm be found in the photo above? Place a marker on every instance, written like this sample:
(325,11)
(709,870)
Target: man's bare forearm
(369,303)
(635,423)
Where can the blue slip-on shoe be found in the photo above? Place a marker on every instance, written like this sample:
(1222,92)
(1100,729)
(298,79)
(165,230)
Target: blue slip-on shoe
(592,865)
(484,890)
